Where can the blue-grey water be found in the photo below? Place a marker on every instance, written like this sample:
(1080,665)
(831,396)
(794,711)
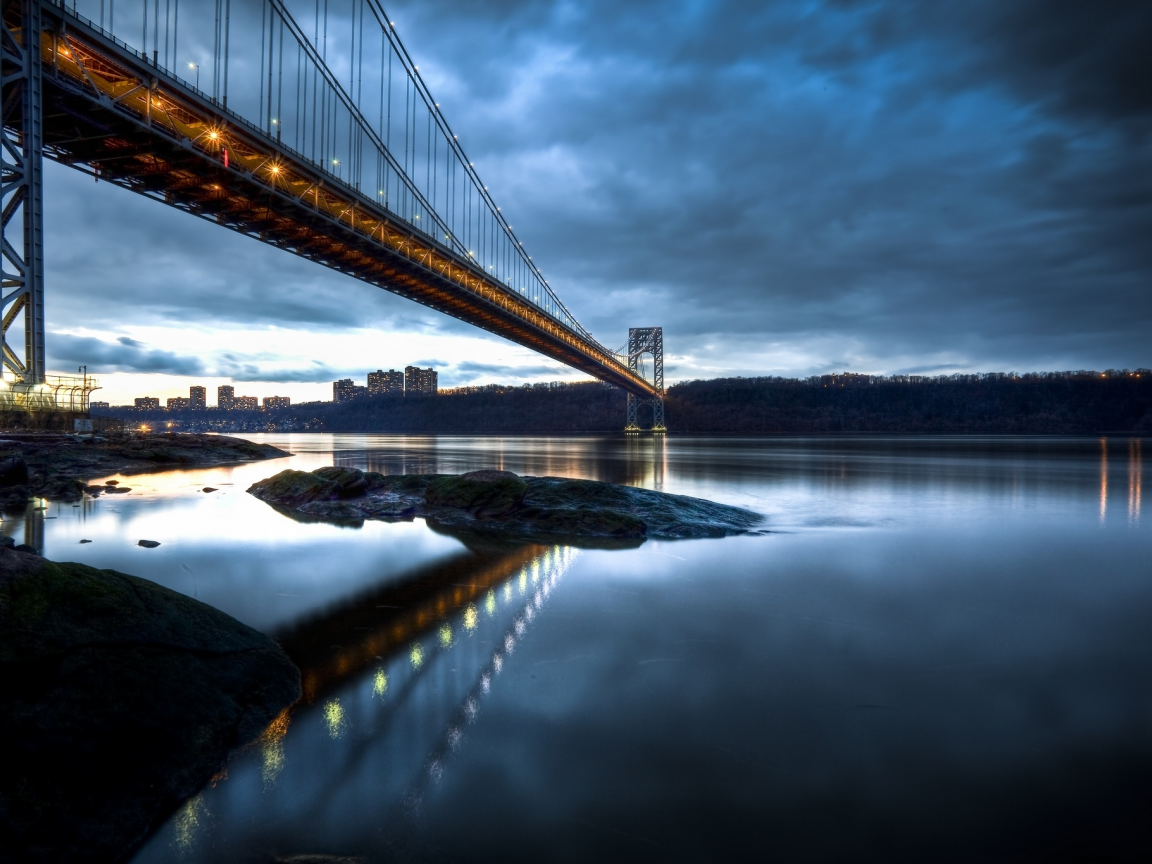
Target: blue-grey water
(940,651)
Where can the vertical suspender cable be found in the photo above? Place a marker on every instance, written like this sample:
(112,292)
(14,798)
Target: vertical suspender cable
(216,55)
(280,85)
(264,121)
(227,32)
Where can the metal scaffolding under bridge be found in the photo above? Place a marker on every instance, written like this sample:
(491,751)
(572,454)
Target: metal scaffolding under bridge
(349,164)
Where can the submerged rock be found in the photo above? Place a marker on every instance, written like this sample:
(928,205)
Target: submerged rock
(500,501)
(120,699)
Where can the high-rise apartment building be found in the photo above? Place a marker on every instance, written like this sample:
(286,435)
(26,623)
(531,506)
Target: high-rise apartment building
(197,398)
(343,390)
(225,397)
(178,403)
(390,383)
(420,382)
(273,402)
(246,403)
(147,403)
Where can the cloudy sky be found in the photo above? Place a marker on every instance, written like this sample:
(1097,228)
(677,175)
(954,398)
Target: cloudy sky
(787,188)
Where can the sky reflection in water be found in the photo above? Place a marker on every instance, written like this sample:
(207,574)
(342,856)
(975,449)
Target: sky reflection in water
(941,653)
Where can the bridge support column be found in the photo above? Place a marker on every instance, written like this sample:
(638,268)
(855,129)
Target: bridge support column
(22,265)
(641,341)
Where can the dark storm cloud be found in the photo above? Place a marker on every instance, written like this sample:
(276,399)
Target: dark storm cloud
(916,178)
(242,370)
(123,355)
(902,185)
(131,355)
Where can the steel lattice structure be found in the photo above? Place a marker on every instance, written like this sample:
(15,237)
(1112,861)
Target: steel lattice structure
(641,341)
(304,158)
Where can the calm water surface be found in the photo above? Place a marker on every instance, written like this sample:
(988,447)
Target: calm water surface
(941,651)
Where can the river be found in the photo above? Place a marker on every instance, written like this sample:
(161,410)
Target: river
(939,650)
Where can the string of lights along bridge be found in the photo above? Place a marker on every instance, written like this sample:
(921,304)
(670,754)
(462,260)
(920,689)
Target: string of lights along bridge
(302,123)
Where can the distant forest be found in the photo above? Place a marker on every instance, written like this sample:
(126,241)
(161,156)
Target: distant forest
(1035,403)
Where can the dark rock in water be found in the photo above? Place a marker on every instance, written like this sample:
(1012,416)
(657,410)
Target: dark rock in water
(148,544)
(24,547)
(117,490)
(208,489)
(14,499)
(502,502)
(120,700)
(85,541)
(54,466)
(13,472)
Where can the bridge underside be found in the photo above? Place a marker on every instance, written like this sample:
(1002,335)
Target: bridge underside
(117,118)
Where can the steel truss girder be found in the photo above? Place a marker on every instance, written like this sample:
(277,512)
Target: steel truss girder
(21,150)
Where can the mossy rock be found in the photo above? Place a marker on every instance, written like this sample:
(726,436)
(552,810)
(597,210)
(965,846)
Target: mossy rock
(121,698)
(482,493)
(291,488)
(601,523)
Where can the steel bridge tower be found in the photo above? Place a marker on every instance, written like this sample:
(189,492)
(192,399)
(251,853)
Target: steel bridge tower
(22,286)
(641,341)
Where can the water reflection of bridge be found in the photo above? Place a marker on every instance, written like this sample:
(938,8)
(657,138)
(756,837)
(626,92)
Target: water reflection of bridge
(342,641)
(393,678)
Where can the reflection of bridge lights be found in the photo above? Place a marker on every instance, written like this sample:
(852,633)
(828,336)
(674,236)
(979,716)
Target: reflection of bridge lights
(416,655)
(510,643)
(446,636)
(334,717)
(519,627)
(485,683)
(490,603)
(497,662)
(470,617)
(454,737)
(507,593)
(188,821)
(379,683)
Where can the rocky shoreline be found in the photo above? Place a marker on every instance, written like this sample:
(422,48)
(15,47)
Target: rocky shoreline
(501,502)
(121,698)
(57,467)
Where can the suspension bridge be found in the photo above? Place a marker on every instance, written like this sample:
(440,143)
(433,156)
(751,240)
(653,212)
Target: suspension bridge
(309,128)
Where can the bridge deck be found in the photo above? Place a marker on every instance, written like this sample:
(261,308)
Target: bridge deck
(109,112)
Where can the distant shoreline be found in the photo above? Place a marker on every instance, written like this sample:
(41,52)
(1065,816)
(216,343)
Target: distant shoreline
(1059,404)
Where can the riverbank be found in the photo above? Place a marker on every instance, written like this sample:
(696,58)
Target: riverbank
(121,699)
(57,467)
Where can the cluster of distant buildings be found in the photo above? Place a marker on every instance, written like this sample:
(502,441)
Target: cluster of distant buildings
(413,381)
(197,400)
